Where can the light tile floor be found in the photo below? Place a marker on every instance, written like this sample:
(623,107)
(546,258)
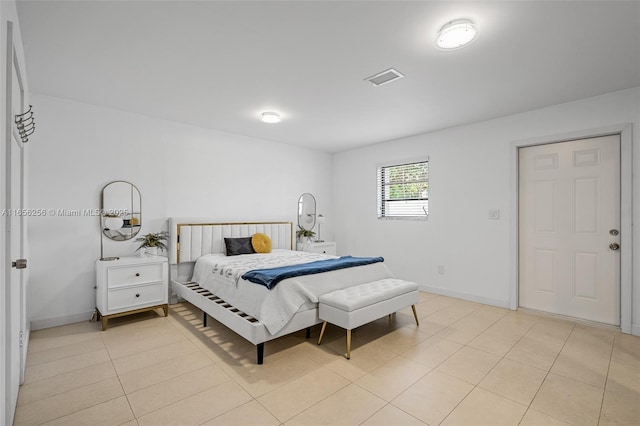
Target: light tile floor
(466,364)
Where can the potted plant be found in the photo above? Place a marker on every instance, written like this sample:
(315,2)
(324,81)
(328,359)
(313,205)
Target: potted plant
(153,241)
(304,234)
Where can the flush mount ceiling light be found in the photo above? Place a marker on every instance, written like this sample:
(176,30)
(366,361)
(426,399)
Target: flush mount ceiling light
(456,34)
(270,117)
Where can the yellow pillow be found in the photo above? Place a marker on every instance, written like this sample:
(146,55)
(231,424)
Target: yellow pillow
(261,243)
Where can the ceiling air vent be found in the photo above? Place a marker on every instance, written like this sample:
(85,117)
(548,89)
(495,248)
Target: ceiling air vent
(384,77)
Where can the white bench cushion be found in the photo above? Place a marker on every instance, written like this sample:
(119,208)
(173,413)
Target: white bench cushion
(357,297)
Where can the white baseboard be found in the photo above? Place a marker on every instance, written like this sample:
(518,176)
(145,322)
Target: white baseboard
(40,323)
(465,296)
(635,328)
(23,352)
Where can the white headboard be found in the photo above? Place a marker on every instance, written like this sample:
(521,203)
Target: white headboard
(191,238)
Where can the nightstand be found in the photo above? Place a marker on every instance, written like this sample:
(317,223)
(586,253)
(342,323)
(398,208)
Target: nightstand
(130,285)
(324,247)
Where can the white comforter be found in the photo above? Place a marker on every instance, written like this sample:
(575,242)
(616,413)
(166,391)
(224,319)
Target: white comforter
(221,275)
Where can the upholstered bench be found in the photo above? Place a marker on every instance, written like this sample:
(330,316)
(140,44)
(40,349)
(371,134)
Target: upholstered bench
(355,306)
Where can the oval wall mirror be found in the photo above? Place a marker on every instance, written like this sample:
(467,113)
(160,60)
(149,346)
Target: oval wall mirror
(307,211)
(121,212)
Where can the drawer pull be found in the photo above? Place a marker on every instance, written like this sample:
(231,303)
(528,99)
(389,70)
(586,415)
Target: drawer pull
(137,274)
(137,294)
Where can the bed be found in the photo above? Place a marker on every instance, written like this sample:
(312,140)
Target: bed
(258,314)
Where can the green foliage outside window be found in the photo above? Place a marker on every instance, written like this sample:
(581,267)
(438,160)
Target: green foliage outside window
(407,182)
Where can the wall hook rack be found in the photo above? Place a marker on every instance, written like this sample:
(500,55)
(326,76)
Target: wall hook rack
(26,124)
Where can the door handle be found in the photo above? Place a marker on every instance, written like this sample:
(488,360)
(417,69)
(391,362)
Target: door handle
(19,264)
(614,246)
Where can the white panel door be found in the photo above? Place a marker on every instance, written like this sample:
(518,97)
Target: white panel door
(569,222)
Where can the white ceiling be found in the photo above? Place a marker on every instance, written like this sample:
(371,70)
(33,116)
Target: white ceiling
(220,64)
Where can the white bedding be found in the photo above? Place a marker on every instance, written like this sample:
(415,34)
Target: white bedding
(221,274)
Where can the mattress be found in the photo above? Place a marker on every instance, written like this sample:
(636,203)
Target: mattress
(222,276)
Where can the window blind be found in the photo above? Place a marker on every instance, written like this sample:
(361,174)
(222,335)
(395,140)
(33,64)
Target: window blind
(403,191)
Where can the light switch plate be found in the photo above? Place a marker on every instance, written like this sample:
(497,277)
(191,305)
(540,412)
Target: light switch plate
(494,214)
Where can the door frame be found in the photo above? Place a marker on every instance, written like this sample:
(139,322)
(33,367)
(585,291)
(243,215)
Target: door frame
(12,58)
(626,234)
(25,326)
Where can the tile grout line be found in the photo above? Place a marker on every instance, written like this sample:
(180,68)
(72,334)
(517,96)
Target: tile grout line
(389,403)
(77,411)
(504,357)
(549,372)
(118,376)
(70,390)
(350,382)
(475,386)
(174,402)
(58,360)
(606,379)
(397,356)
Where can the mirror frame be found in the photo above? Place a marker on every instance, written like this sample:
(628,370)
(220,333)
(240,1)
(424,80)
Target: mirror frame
(301,209)
(117,235)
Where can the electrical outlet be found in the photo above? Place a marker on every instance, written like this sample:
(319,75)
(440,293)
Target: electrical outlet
(494,214)
(441,269)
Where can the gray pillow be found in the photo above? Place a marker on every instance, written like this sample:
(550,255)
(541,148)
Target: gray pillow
(237,246)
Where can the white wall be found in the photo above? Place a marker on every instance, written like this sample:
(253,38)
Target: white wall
(180,170)
(470,170)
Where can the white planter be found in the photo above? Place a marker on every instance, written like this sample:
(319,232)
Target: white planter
(151,251)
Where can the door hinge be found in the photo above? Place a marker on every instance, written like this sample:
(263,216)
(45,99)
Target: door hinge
(21,339)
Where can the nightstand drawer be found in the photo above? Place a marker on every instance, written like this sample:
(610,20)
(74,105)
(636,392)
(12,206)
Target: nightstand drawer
(323,248)
(138,296)
(134,274)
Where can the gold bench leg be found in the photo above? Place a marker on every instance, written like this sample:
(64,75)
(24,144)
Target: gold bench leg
(105,321)
(415,314)
(324,325)
(348,344)
(165,308)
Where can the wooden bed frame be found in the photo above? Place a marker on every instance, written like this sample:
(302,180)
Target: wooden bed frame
(190,238)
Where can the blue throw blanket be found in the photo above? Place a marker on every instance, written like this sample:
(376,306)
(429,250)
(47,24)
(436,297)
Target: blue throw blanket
(271,276)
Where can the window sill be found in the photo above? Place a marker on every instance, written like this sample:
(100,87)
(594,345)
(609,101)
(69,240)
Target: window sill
(411,218)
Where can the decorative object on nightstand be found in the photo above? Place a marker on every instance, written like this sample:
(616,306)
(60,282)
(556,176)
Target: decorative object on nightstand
(129,285)
(112,222)
(304,235)
(320,219)
(153,241)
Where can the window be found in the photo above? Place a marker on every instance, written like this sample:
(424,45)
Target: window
(403,191)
